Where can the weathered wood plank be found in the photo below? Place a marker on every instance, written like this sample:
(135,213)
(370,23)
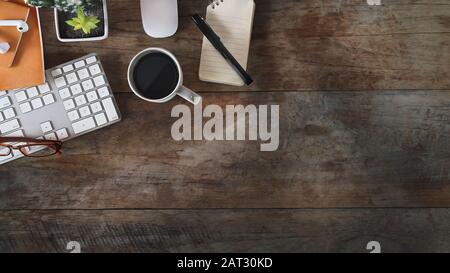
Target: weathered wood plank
(337,149)
(398,230)
(296,45)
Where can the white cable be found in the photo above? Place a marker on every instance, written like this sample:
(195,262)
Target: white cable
(22,26)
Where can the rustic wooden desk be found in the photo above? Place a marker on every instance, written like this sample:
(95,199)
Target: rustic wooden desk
(364,95)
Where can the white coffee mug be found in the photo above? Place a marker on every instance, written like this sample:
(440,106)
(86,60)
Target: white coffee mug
(179,90)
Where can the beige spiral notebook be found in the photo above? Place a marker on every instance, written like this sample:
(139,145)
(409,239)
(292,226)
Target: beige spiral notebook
(232,20)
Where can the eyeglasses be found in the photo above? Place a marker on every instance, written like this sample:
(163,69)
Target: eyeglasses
(29,147)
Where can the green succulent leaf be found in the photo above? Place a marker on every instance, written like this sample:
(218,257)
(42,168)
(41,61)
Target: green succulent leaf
(84,22)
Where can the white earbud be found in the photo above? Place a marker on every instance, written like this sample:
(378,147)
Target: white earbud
(4,47)
(21,25)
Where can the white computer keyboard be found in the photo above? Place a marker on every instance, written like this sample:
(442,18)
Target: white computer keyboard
(75,100)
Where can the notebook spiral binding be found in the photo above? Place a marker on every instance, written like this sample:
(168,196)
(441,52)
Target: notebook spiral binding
(215,3)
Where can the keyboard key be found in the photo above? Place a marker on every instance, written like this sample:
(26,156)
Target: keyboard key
(99,81)
(91,60)
(68,68)
(51,136)
(32,92)
(96,107)
(18,133)
(1,117)
(44,88)
(92,96)
(80,100)
(56,72)
(46,127)
(87,85)
(60,82)
(37,103)
(48,99)
(33,149)
(95,69)
(69,104)
(71,78)
(9,126)
(62,134)
(76,89)
(103,92)
(73,115)
(100,119)
(110,109)
(5,102)
(25,107)
(83,74)
(80,64)
(9,113)
(21,96)
(83,125)
(84,111)
(65,93)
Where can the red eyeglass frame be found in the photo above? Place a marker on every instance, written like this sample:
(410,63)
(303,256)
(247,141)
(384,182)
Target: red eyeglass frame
(52,144)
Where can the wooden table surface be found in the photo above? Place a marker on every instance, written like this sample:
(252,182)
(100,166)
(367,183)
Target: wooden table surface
(364,95)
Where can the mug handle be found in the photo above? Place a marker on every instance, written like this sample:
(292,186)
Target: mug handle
(189,95)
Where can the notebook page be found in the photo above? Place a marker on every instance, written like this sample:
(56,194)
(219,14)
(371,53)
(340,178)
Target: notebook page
(232,20)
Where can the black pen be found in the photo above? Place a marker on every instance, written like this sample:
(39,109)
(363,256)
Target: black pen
(214,39)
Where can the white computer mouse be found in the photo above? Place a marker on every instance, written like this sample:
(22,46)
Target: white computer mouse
(160,17)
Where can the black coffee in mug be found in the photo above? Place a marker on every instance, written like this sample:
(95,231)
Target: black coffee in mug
(156,76)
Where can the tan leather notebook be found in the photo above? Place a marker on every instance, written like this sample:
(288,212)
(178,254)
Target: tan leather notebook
(28,66)
(11,11)
(232,20)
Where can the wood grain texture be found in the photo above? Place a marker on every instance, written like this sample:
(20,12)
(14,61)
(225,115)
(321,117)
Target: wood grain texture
(398,230)
(296,45)
(352,167)
(337,149)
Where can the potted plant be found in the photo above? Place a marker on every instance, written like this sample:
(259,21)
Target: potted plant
(78,20)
